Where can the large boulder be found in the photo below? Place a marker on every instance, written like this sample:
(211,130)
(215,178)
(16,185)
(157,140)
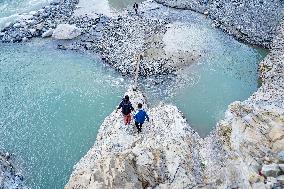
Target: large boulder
(281,166)
(271,170)
(280,179)
(258,185)
(278,146)
(276,133)
(66,31)
(48,33)
(280,156)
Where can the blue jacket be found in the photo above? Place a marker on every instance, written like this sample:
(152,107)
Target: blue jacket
(140,116)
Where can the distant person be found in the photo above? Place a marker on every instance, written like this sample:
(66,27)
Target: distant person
(126,108)
(140,117)
(135,7)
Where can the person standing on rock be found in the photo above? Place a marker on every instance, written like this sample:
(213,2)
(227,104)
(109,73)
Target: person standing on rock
(135,7)
(140,117)
(126,108)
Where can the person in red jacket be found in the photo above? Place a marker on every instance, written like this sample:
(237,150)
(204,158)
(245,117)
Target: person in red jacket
(126,108)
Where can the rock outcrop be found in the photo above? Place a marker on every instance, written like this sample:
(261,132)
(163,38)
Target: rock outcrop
(9,178)
(66,31)
(163,155)
(245,150)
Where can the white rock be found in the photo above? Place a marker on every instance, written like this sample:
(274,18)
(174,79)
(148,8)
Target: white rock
(33,31)
(276,133)
(280,156)
(258,185)
(39,26)
(278,145)
(270,182)
(271,170)
(25,39)
(281,166)
(48,33)
(66,31)
(17,25)
(33,13)
(280,179)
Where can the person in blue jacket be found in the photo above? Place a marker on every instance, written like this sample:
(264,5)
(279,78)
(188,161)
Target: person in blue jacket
(140,117)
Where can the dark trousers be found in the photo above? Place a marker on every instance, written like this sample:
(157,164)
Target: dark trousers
(138,126)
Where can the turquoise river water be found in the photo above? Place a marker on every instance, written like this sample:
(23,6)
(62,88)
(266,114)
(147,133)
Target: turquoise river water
(52,102)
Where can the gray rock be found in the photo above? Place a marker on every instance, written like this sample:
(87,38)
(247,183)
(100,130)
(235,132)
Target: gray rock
(281,166)
(280,179)
(258,185)
(280,156)
(55,2)
(25,39)
(271,182)
(17,25)
(271,170)
(34,13)
(48,33)
(32,31)
(66,31)
(39,26)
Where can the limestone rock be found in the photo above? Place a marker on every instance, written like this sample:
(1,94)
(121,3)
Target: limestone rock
(271,170)
(278,145)
(280,179)
(276,133)
(281,166)
(258,185)
(66,31)
(280,156)
(48,33)
(121,158)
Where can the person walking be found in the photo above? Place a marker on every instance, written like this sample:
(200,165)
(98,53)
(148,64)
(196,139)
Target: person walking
(126,108)
(140,117)
(135,7)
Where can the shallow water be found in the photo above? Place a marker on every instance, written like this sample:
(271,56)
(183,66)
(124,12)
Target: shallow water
(225,72)
(51,106)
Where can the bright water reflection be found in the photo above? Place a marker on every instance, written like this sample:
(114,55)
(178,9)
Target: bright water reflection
(51,105)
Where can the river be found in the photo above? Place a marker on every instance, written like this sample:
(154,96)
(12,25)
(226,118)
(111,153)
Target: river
(52,102)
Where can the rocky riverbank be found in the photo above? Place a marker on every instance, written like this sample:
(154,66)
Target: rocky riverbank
(119,40)
(245,150)
(9,178)
(254,22)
